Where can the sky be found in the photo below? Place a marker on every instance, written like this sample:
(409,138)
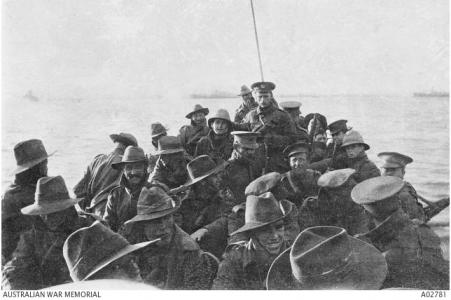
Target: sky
(142,48)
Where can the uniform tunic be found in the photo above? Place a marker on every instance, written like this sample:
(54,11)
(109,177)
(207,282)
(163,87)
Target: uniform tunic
(189,135)
(365,169)
(219,149)
(243,110)
(409,203)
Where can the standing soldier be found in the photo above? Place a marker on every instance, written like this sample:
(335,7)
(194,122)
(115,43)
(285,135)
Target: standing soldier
(218,142)
(274,125)
(247,105)
(100,177)
(31,158)
(412,252)
(189,135)
(122,200)
(355,149)
(292,108)
(38,260)
(157,131)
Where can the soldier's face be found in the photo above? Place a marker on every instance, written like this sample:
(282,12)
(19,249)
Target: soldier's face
(135,172)
(271,237)
(397,172)
(354,150)
(162,228)
(248,99)
(220,126)
(198,117)
(338,137)
(298,160)
(54,220)
(320,138)
(263,98)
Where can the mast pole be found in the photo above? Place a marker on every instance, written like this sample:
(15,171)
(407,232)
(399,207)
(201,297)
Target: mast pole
(256,40)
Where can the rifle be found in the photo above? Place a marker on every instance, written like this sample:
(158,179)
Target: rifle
(434,208)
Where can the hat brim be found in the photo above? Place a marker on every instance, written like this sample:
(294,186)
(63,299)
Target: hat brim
(28,165)
(391,165)
(157,134)
(365,145)
(169,151)
(211,172)
(211,120)
(368,272)
(45,209)
(152,216)
(120,165)
(205,110)
(251,226)
(124,251)
(119,138)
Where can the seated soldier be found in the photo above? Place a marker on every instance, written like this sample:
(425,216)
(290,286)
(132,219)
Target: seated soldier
(96,252)
(412,252)
(170,170)
(189,135)
(175,261)
(246,263)
(38,260)
(203,212)
(394,164)
(218,143)
(121,203)
(298,155)
(327,258)
(355,149)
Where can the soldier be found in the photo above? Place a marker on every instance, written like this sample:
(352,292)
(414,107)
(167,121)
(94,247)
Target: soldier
(243,165)
(337,130)
(315,122)
(189,135)
(275,126)
(292,108)
(122,200)
(247,105)
(175,261)
(326,258)
(320,136)
(170,170)
(38,260)
(246,263)
(298,155)
(204,210)
(218,142)
(157,132)
(412,252)
(394,164)
(31,158)
(100,177)
(355,149)
(96,252)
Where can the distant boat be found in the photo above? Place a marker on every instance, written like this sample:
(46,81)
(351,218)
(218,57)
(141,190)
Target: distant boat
(213,95)
(431,94)
(31,97)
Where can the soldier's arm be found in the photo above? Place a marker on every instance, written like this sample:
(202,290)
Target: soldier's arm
(23,272)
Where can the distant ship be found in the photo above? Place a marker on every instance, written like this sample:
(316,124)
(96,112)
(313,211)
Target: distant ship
(431,94)
(31,97)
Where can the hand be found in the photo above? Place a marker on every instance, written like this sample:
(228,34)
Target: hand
(199,234)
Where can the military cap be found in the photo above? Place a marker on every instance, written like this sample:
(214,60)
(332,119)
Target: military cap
(263,86)
(245,138)
(394,159)
(263,184)
(299,147)
(339,125)
(335,178)
(289,105)
(376,189)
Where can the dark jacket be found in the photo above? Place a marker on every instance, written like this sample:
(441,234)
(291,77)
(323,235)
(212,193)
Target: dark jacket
(183,267)
(364,168)
(14,222)
(278,131)
(412,252)
(218,149)
(162,175)
(243,110)
(38,260)
(98,181)
(121,204)
(409,203)
(189,135)
(241,270)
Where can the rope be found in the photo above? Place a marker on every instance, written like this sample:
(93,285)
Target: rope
(256,40)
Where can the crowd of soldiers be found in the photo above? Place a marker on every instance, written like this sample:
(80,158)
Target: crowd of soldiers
(260,202)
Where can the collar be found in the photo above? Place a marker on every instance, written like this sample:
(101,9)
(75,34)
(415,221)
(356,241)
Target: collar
(389,228)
